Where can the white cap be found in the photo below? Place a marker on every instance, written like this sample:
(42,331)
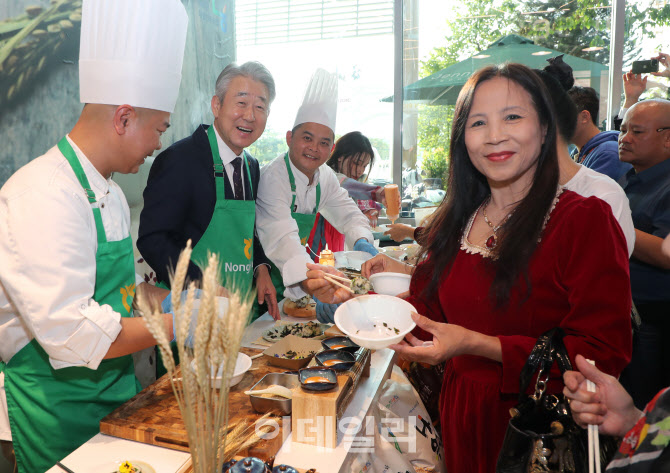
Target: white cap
(320,102)
(131,52)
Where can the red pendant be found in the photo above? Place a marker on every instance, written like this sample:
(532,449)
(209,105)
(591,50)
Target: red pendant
(491,242)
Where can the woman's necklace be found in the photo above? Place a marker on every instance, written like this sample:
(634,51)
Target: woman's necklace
(492,241)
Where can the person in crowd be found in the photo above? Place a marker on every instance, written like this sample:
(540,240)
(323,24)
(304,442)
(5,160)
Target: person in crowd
(635,84)
(351,160)
(204,189)
(296,185)
(597,150)
(645,440)
(401,231)
(67,275)
(510,254)
(558,79)
(645,143)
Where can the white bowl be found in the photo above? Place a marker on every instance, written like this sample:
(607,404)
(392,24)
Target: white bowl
(375,321)
(242,365)
(394,252)
(390,284)
(351,259)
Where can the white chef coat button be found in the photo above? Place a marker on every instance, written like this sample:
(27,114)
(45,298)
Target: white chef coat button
(102,205)
(82,307)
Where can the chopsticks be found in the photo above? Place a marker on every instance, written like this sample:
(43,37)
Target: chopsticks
(594,440)
(339,278)
(328,278)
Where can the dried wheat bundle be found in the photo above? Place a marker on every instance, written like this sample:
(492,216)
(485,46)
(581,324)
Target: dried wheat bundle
(205,345)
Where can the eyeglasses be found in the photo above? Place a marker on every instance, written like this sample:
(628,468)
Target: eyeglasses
(661,129)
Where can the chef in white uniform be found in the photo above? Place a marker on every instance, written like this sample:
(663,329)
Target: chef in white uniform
(295,186)
(67,276)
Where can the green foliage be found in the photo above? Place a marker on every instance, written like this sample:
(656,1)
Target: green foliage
(556,24)
(270,145)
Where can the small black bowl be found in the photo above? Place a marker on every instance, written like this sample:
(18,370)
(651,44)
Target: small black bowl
(332,342)
(342,360)
(327,373)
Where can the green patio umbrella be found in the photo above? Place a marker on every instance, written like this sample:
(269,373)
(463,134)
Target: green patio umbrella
(442,87)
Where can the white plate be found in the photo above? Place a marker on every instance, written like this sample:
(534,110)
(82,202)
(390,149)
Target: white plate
(394,252)
(275,333)
(113,467)
(351,259)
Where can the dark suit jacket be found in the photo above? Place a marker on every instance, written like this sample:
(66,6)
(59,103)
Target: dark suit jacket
(179,202)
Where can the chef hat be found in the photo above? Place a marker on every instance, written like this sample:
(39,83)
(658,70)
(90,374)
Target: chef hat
(131,52)
(320,102)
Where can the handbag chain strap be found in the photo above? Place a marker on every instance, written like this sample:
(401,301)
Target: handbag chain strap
(540,385)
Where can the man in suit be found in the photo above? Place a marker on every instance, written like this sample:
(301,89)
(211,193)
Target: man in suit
(204,187)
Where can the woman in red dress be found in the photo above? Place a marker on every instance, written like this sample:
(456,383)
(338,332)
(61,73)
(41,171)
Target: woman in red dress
(508,256)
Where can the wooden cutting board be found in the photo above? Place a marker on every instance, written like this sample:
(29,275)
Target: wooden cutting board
(153,416)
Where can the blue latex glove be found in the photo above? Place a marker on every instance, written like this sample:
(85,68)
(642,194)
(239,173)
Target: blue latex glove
(166,307)
(364,245)
(325,313)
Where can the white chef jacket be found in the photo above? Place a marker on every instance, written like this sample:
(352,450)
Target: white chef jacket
(48,243)
(278,231)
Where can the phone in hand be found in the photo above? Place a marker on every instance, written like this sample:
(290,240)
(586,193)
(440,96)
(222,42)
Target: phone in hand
(641,67)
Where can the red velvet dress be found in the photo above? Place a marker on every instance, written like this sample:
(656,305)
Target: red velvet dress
(580,282)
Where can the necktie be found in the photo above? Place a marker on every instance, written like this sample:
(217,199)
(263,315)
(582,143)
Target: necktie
(237,179)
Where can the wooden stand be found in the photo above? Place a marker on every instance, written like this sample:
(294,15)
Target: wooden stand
(316,414)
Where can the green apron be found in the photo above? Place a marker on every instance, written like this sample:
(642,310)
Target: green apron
(52,412)
(305,223)
(230,232)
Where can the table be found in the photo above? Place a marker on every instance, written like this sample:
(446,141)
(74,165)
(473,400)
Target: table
(103,450)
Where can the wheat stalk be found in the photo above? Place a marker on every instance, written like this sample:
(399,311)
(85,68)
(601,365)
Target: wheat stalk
(215,340)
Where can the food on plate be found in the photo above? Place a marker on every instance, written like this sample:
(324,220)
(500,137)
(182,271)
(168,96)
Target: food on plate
(331,362)
(335,347)
(316,379)
(360,285)
(327,257)
(392,196)
(304,307)
(127,467)
(306,330)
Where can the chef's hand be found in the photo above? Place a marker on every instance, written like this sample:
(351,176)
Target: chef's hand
(363,245)
(167,308)
(316,286)
(448,342)
(325,313)
(266,291)
(399,231)
(372,215)
(384,263)
(610,407)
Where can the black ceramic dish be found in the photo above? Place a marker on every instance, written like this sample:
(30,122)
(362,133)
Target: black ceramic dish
(327,373)
(344,360)
(332,342)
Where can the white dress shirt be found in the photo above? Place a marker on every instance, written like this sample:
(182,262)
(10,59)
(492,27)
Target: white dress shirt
(588,182)
(48,243)
(278,231)
(227,157)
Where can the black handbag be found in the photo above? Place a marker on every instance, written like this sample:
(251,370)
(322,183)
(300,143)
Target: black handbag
(541,435)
